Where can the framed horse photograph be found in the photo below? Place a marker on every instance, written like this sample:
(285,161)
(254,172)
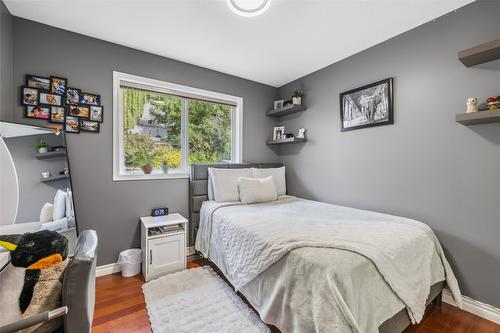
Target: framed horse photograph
(367,106)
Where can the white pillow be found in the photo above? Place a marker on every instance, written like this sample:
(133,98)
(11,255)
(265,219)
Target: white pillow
(225,183)
(59,205)
(210,185)
(69,203)
(47,212)
(254,190)
(278,176)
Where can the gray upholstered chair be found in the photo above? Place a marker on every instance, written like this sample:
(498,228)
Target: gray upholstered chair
(78,291)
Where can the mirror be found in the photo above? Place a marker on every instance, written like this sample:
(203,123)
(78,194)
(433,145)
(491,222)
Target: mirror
(35,183)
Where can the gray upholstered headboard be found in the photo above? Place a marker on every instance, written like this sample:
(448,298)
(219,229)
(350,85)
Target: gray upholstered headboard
(198,188)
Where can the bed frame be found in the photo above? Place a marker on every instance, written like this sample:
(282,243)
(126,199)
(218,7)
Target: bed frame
(198,192)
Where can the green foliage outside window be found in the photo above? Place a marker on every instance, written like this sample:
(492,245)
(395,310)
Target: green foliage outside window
(139,150)
(209,130)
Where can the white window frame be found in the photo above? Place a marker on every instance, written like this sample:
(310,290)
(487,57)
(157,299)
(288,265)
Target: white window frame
(173,89)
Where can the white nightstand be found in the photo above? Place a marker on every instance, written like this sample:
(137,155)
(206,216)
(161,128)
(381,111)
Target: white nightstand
(164,251)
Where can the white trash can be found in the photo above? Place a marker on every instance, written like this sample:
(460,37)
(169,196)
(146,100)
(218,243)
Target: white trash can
(130,260)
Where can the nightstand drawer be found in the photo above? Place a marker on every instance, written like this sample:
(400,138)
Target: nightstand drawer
(166,254)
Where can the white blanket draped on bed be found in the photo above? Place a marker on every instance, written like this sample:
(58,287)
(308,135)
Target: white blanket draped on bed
(400,248)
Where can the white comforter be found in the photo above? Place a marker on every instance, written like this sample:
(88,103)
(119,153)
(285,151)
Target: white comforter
(400,248)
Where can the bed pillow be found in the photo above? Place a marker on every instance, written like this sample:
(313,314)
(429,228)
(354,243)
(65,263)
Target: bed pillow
(210,185)
(278,176)
(59,205)
(253,190)
(225,183)
(47,212)
(69,203)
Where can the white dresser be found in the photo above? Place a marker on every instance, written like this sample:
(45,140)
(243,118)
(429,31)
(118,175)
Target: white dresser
(163,243)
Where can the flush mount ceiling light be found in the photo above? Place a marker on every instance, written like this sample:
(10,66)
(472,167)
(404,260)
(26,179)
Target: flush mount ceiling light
(249,8)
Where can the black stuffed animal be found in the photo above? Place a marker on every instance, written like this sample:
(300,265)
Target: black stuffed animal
(34,251)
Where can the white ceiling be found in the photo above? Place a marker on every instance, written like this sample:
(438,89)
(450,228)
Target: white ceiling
(292,39)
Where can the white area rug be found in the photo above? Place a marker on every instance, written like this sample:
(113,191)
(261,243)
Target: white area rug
(198,301)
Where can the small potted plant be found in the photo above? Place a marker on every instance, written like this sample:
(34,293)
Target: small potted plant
(42,146)
(297,97)
(165,167)
(144,160)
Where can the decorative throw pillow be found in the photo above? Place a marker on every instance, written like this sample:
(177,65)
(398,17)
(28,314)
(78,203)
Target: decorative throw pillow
(225,183)
(59,205)
(47,212)
(278,175)
(253,190)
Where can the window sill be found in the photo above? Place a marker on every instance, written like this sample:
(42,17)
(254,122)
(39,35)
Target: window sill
(180,175)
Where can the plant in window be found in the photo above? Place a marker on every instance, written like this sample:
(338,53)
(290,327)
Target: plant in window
(165,157)
(139,152)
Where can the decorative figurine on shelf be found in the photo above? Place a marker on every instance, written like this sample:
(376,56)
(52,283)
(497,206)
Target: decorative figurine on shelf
(46,174)
(302,132)
(493,103)
(297,97)
(471,105)
(482,106)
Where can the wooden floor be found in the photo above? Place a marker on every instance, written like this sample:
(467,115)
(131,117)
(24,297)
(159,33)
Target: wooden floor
(120,308)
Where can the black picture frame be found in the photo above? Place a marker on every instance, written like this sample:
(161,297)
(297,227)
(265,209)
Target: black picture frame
(83,125)
(29,108)
(84,100)
(68,128)
(25,101)
(101,118)
(44,101)
(51,113)
(369,114)
(68,92)
(70,108)
(58,91)
(37,81)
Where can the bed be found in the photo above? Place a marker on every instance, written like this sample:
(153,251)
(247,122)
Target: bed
(316,285)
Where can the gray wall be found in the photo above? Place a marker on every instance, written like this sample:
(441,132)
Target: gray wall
(425,166)
(6,67)
(114,208)
(33,194)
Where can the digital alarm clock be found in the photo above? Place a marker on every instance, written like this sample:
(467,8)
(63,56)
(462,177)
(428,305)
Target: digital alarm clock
(159,211)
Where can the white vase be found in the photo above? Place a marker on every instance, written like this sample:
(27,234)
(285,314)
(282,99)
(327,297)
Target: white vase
(43,150)
(297,100)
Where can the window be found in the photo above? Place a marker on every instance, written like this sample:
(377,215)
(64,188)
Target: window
(159,128)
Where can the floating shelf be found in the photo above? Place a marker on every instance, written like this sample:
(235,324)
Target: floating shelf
(480,54)
(50,154)
(286,141)
(480,117)
(288,109)
(53,178)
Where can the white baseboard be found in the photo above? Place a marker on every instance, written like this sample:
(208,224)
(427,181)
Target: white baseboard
(115,268)
(108,269)
(480,309)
